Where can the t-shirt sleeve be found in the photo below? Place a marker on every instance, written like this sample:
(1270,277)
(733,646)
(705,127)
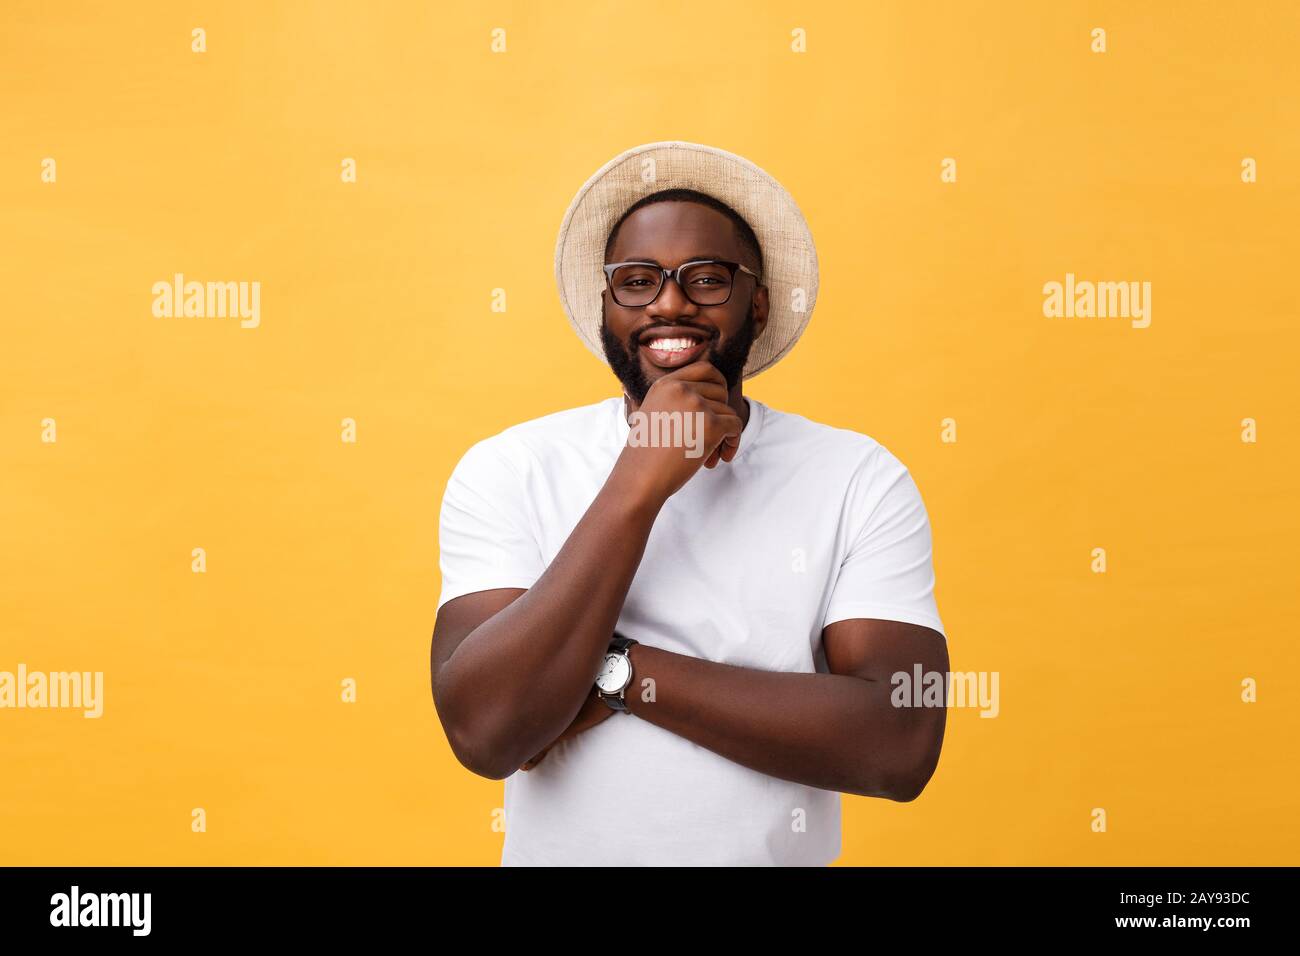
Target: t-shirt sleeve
(485,535)
(888,572)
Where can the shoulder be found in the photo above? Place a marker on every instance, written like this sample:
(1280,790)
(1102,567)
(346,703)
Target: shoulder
(882,508)
(869,481)
(829,445)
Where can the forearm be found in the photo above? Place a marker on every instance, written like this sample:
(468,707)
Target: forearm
(516,681)
(831,731)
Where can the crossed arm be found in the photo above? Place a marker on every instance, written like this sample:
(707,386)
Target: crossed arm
(512,668)
(837,731)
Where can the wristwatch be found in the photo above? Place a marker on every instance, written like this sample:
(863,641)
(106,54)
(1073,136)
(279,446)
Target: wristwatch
(615,672)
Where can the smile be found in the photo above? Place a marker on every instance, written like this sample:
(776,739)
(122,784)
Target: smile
(673,351)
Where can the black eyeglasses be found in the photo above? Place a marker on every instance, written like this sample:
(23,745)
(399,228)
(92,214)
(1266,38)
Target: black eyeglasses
(702,281)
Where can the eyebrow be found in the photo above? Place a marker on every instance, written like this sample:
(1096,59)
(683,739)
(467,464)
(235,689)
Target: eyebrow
(692,258)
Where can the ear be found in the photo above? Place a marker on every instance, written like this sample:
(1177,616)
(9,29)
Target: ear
(759,310)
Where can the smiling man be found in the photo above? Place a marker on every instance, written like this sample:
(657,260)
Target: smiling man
(739,614)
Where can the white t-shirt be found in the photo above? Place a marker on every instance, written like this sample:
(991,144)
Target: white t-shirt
(807,525)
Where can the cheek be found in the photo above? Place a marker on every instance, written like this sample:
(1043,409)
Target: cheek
(618,320)
(615,325)
(734,324)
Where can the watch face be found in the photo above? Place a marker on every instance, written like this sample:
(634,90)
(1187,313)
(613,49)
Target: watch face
(615,671)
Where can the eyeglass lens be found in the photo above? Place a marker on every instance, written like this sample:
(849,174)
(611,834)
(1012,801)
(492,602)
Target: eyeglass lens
(704,283)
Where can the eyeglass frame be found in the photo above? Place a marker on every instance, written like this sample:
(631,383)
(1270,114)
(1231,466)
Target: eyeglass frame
(675,275)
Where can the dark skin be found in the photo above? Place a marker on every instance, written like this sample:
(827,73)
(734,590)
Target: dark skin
(512,669)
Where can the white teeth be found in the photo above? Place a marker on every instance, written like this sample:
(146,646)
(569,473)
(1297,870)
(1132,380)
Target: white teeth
(671,345)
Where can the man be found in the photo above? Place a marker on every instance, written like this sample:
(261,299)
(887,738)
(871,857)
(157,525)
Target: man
(743,600)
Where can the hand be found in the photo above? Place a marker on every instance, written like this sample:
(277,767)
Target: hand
(593,711)
(697,390)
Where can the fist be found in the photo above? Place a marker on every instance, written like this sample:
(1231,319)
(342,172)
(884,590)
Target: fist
(684,422)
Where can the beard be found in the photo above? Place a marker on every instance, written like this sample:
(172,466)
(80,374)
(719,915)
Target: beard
(622,357)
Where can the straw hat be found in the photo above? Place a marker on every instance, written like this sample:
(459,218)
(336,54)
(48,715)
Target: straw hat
(789,256)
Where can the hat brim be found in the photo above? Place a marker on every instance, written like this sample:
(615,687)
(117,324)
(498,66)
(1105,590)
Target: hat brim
(789,255)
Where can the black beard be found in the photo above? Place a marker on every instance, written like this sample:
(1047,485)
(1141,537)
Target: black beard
(729,360)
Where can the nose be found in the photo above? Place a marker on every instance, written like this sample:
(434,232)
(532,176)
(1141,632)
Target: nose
(671,302)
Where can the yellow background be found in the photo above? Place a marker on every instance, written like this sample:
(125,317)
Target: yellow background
(222,690)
